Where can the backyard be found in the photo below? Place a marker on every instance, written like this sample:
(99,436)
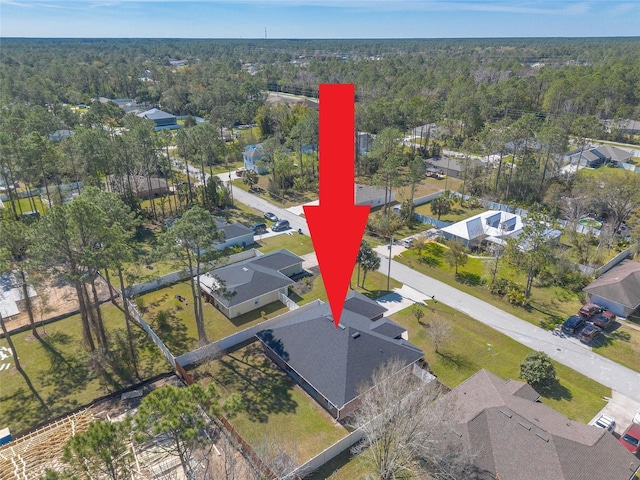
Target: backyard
(60,375)
(267,407)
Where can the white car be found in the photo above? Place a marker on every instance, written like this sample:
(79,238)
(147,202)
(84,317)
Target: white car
(636,418)
(606,422)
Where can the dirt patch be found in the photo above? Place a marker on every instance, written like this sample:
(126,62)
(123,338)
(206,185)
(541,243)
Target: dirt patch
(53,299)
(304,284)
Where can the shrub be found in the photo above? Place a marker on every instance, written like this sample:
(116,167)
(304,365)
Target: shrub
(537,370)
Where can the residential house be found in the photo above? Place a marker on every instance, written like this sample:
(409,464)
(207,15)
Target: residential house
(512,436)
(334,364)
(453,167)
(253,157)
(594,157)
(11,295)
(235,234)
(618,289)
(372,196)
(142,187)
(163,120)
(60,135)
(630,127)
(250,284)
(364,141)
(493,226)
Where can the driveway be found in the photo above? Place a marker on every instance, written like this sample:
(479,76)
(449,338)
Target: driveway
(564,350)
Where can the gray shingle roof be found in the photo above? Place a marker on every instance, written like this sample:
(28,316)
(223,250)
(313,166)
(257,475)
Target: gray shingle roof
(233,230)
(516,438)
(250,278)
(335,361)
(155,114)
(621,284)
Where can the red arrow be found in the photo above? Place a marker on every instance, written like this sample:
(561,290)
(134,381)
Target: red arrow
(337,224)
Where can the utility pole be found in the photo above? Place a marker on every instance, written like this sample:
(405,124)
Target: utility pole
(389,269)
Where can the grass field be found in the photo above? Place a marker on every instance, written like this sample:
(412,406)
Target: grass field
(473,346)
(58,370)
(273,409)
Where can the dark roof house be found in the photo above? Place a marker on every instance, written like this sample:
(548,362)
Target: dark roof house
(334,364)
(618,289)
(453,167)
(235,234)
(513,437)
(595,157)
(163,120)
(250,284)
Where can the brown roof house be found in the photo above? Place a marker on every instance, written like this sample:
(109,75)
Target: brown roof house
(618,290)
(333,364)
(511,436)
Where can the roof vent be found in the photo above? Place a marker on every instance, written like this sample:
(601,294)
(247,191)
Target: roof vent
(542,437)
(342,327)
(245,269)
(355,335)
(506,414)
(525,425)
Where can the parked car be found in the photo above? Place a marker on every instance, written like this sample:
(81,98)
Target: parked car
(589,333)
(408,242)
(280,225)
(271,216)
(606,422)
(604,319)
(589,310)
(240,172)
(259,228)
(631,438)
(572,324)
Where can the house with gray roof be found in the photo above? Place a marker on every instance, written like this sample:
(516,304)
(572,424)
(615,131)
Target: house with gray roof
(334,365)
(163,120)
(451,166)
(618,289)
(250,284)
(594,157)
(141,186)
(234,234)
(511,436)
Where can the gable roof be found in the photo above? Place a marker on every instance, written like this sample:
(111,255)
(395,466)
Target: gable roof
(621,284)
(249,279)
(335,361)
(516,438)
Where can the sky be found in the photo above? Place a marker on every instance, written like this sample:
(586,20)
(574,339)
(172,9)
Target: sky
(319,18)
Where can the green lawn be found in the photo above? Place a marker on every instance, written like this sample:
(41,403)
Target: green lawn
(473,346)
(57,369)
(272,408)
(26,205)
(179,332)
(549,306)
(296,243)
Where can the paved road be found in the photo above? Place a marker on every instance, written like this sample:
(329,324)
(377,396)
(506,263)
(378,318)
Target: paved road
(566,350)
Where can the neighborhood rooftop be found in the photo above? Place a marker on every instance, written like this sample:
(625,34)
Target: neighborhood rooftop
(515,437)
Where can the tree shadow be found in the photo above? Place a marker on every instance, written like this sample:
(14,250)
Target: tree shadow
(375,294)
(555,391)
(19,410)
(430,261)
(265,388)
(454,360)
(172,331)
(611,336)
(551,322)
(468,278)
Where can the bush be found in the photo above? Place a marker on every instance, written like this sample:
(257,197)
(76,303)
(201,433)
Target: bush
(537,370)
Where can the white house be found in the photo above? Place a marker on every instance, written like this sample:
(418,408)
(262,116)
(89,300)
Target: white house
(493,225)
